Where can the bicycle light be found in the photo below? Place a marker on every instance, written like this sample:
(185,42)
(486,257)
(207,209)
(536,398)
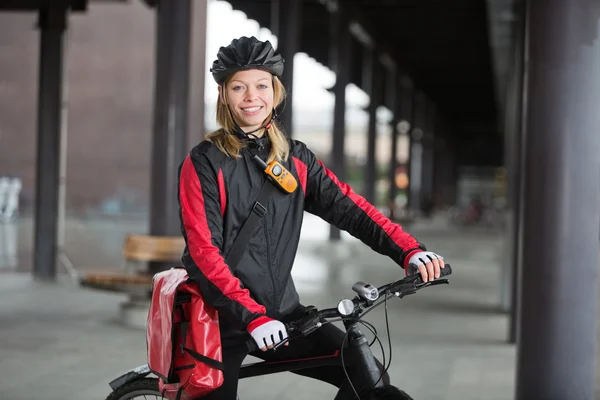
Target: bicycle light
(345,307)
(366,291)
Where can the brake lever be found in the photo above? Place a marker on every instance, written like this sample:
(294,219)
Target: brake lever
(309,326)
(404,289)
(433,283)
(278,345)
(305,328)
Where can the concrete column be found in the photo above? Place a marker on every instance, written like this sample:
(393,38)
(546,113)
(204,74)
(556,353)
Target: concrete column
(444,171)
(52,23)
(169,144)
(393,99)
(428,160)
(514,135)
(286,23)
(197,125)
(372,79)
(340,55)
(556,357)
(416,152)
(407,114)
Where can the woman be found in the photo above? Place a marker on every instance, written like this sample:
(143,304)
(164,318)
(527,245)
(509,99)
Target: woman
(218,185)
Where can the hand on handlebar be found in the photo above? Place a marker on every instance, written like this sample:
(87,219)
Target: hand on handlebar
(264,330)
(267,332)
(427,263)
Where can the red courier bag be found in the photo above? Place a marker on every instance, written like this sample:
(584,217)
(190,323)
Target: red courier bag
(183,339)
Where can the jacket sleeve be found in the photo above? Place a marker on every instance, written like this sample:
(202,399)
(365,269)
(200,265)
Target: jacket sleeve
(202,228)
(338,204)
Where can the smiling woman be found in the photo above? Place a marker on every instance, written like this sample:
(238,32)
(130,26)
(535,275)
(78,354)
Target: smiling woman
(221,185)
(248,97)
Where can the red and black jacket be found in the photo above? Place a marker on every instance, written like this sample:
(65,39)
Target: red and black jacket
(216,195)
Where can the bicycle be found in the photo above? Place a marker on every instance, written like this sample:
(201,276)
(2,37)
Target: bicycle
(362,386)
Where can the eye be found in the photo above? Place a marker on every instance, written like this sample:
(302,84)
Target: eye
(263,86)
(237,88)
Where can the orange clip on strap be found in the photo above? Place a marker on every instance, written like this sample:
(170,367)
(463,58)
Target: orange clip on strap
(281,176)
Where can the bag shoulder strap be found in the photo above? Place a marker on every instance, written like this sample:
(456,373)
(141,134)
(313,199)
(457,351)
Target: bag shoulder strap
(243,237)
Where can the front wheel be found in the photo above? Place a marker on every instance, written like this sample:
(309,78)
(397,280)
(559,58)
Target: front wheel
(146,388)
(387,392)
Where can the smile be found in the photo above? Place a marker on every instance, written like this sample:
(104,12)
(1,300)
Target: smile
(251,110)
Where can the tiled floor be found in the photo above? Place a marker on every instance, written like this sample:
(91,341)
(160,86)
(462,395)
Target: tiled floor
(59,341)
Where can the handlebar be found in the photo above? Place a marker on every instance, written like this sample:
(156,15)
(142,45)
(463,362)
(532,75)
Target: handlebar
(405,286)
(357,307)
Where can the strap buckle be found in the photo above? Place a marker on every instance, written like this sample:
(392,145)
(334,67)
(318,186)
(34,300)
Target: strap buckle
(259,209)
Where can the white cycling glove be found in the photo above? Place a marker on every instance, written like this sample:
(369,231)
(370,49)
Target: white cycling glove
(268,333)
(421,258)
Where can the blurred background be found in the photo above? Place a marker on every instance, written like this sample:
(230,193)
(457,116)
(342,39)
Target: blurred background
(108,100)
(429,109)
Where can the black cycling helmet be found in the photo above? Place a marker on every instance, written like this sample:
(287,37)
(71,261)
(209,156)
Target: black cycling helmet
(246,53)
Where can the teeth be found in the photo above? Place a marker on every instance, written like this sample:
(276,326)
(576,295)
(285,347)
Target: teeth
(252,109)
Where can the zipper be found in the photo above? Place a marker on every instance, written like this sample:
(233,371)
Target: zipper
(268,239)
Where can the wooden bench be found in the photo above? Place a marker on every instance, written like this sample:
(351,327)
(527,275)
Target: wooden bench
(135,278)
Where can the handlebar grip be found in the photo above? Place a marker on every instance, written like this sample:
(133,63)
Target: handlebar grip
(447,270)
(252,346)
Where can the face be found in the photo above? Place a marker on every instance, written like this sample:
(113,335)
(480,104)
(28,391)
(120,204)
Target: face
(250,98)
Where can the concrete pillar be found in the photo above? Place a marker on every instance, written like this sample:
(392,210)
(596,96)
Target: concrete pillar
(514,135)
(428,160)
(556,357)
(444,170)
(52,23)
(169,141)
(416,152)
(372,78)
(196,123)
(340,56)
(393,99)
(286,23)
(407,114)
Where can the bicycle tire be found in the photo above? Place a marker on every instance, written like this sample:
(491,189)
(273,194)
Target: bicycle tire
(141,387)
(386,392)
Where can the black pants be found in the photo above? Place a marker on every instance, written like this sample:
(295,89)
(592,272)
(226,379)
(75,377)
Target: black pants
(324,341)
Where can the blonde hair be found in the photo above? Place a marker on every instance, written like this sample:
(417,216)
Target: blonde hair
(229,143)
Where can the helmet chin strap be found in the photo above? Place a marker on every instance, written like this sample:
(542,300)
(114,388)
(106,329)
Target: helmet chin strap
(247,135)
